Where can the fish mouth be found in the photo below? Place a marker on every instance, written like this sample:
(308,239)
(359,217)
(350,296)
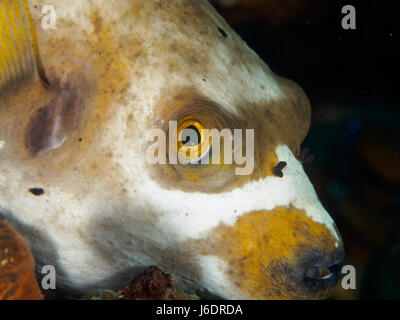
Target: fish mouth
(317,279)
(322,275)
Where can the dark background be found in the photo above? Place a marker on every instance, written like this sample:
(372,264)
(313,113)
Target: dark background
(352,152)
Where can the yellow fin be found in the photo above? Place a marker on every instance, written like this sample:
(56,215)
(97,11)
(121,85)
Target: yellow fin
(19,57)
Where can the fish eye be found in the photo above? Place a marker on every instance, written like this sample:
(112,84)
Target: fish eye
(190,136)
(192,144)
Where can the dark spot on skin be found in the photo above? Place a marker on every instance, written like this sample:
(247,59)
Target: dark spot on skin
(222,32)
(36,191)
(277,171)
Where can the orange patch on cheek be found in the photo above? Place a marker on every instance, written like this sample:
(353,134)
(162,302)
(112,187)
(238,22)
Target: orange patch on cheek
(268,166)
(263,247)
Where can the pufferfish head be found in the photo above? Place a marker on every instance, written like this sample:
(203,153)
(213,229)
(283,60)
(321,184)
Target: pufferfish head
(110,73)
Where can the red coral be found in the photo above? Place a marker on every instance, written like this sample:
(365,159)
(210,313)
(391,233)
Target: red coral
(152,284)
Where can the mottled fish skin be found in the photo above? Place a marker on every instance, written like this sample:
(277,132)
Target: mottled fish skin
(75,131)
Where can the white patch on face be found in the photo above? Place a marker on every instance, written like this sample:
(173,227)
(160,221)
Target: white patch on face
(214,277)
(247,79)
(185,216)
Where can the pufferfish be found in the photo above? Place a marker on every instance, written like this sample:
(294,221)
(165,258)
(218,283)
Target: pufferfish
(77,99)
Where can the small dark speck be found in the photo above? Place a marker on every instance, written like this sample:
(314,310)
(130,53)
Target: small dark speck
(204,80)
(278,169)
(222,32)
(80,139)
(36,191)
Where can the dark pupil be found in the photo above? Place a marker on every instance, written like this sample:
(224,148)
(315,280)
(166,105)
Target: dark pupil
(190,136)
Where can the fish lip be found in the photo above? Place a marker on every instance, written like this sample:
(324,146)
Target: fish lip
(333,264)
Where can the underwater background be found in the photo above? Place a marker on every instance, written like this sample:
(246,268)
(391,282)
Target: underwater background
(352,151)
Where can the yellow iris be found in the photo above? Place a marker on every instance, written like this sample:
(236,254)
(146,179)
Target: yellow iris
(193,143)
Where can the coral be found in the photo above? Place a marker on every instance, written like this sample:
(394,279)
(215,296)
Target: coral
(17,278)
(154,284)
